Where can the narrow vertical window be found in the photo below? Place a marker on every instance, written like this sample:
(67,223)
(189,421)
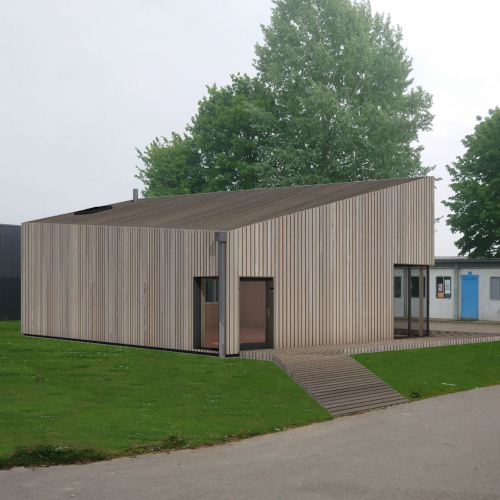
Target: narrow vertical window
(206,313)
(414,286)
(495,288)
(397,286)
(209,313)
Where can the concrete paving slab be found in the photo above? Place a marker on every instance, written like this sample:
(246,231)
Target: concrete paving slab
(441,448)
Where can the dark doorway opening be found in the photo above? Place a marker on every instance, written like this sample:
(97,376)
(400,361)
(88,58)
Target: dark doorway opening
(206,313)
(255,313)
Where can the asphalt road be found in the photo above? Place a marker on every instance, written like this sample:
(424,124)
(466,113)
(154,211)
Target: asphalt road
(441,448)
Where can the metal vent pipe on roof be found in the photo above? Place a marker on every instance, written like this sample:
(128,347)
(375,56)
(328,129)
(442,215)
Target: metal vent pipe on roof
(135,196)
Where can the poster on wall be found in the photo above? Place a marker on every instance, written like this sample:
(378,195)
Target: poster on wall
(443,287)
(447,288)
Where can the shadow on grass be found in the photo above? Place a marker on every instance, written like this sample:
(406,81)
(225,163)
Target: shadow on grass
(46,455)
(50,455)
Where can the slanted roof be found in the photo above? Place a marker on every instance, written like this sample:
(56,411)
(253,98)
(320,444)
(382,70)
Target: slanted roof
(224,209)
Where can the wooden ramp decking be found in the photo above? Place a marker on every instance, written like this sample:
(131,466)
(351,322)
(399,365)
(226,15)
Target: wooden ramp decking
(338,383)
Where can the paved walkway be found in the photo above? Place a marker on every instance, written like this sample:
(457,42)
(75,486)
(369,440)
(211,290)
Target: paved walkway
(441,448)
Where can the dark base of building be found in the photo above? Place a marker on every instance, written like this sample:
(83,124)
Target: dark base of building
(215,353)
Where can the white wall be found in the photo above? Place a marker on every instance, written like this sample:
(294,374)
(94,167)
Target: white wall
(442,308)
(489,310)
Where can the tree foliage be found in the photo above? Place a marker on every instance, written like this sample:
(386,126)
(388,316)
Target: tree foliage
(219,151)
(475,206)
(343,109)
(171,167)
(332,102)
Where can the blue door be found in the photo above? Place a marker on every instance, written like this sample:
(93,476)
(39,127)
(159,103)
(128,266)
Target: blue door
(470,296)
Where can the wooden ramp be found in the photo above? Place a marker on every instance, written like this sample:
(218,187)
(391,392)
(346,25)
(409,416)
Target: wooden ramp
(338,382)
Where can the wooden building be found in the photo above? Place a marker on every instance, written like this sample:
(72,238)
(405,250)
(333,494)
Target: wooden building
(299,266)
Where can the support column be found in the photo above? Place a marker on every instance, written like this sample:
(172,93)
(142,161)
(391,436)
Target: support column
(428,298)
(421,301)
(408,293)
(221,238)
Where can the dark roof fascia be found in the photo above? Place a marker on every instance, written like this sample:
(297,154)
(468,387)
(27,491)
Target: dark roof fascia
(465,263)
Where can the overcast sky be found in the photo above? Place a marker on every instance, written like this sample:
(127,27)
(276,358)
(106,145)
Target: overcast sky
(83,83)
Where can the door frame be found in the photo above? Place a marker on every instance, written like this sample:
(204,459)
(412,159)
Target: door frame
(269,310)
(469,277)
(198,301)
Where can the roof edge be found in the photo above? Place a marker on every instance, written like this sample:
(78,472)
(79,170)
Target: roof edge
(408,179)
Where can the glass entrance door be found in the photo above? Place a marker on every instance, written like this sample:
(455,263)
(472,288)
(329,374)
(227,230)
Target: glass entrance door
(255,314)
(209,313)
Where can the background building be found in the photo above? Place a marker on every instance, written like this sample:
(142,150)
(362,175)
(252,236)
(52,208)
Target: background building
(10,272)
(460,289)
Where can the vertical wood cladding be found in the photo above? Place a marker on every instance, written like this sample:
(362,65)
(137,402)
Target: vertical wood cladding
(333,265)
(332,270)
(113,284)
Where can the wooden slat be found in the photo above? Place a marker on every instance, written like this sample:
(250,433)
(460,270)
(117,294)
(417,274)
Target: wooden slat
(333,265)
(339,383)
(126,285)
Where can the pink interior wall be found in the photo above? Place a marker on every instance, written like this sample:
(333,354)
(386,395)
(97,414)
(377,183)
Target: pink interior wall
(253,304)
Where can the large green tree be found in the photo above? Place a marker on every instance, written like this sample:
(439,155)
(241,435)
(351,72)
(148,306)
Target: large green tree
(219,150)
(332,102)
(475,206)
(344,107)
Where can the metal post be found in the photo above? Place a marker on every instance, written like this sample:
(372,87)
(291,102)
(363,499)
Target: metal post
(456,294)
(428,297)
(408,291)
(221,238)
(420,301)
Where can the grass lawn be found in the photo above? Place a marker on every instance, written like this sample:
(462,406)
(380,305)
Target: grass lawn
(436,370)
(73,394)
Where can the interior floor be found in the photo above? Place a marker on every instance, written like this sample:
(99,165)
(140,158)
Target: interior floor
(247,336)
